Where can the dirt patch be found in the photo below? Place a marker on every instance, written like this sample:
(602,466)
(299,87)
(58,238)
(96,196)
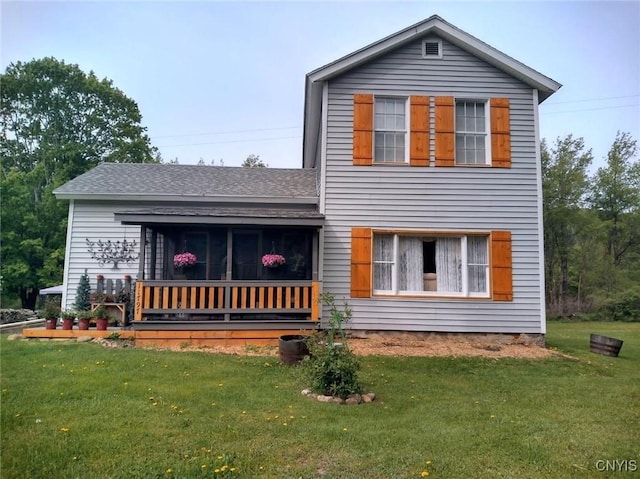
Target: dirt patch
(402,346)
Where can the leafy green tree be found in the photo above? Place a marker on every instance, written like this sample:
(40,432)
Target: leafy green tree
(564,177)
(56,122)
(254,161)
(615,195)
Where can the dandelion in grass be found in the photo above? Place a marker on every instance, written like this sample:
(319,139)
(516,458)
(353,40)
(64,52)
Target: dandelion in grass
(64,429)
(169,471)
(424,473)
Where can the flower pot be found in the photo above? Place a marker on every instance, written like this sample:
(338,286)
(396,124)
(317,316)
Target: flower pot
(102,324)
(293,348)
(50,323)
(83,324)
(67,323)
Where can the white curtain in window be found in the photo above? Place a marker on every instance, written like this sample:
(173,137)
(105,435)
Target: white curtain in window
(410,264)
(478,263)
(382,262)
(449,265)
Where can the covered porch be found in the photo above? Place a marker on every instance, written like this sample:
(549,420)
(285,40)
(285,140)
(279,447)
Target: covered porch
(229,285)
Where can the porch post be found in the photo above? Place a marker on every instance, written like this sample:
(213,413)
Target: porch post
(154,250)
(314,256)
(143,246)
(227,288)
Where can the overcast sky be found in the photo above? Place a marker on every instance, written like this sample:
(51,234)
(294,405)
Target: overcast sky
(222,80)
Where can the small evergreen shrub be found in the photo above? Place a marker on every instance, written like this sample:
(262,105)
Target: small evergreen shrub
(83,293)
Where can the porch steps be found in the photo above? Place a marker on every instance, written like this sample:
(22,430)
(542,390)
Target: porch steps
(174,339)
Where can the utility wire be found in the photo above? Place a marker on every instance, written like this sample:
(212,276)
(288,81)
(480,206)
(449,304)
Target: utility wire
(231,141)
(592,99)
(590,109)
(226,132)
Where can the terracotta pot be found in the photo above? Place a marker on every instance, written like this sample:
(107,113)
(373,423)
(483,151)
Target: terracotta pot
(83,324)
(101,324)
(50,323)
(67,323)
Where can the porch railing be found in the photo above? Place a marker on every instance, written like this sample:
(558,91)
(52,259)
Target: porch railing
(193,298)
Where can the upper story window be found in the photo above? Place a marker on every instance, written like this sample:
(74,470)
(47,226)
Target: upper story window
(472,136)
(442,265)
(390,125)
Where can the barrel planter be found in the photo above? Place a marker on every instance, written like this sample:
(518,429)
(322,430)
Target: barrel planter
(293,348)
(605,345)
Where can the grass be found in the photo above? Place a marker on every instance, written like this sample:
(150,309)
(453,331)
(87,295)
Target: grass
(80,410)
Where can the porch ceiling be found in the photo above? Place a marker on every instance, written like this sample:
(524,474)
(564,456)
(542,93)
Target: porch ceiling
(220,215)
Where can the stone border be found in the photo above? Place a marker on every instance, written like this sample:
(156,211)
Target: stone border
(353,399)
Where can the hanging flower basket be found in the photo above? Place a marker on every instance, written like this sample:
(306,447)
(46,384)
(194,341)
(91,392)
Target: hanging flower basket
(183,260)
(273,260)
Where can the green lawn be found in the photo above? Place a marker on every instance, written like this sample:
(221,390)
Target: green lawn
(79,410)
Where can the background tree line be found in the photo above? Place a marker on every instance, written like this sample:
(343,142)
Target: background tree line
(592,230)
(56,122)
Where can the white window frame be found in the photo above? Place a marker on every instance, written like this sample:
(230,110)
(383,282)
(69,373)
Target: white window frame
(487,132)
(424,47)
(407,123)
(465,293)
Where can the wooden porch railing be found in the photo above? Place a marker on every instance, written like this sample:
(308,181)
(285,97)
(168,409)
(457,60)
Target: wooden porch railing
(226,297)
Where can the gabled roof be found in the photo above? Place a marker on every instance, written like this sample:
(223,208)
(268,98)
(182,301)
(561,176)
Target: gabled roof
(433,25)
(162,182)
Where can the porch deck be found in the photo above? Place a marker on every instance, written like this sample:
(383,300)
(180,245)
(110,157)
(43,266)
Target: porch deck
(172,339)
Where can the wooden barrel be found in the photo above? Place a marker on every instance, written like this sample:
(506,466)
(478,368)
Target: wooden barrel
(604,345)
(293,348)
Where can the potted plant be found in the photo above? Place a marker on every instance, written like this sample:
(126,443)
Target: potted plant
(184,260)
(102,318)
(84,319)
(51,313)
(273,260)
(68,317)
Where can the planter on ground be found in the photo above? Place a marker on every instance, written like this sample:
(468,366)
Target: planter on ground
(292,348)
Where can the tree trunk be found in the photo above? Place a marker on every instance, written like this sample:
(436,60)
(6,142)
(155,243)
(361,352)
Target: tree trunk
(28,297)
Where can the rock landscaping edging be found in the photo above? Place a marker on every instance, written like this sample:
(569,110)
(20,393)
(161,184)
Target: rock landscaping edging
(351,400)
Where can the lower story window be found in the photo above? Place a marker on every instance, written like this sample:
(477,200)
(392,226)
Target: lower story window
(424,264)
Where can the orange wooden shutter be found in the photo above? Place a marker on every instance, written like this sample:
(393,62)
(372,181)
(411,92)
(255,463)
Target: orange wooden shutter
(362,129)
(361,262)
(501,266)
(419,139)
(500,133)
(445,132)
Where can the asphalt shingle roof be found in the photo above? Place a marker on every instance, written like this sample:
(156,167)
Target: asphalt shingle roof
(144,179)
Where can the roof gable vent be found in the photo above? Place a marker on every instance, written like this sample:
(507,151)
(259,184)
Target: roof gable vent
(432,49)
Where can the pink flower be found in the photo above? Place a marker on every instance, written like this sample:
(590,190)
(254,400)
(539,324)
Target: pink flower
(184,259)
(270,260)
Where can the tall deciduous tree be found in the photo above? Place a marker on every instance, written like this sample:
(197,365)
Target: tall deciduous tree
(615,195)
(564,176)
(56,122)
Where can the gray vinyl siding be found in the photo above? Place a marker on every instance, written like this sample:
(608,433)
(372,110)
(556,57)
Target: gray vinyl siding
(94,220)
(430,198)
